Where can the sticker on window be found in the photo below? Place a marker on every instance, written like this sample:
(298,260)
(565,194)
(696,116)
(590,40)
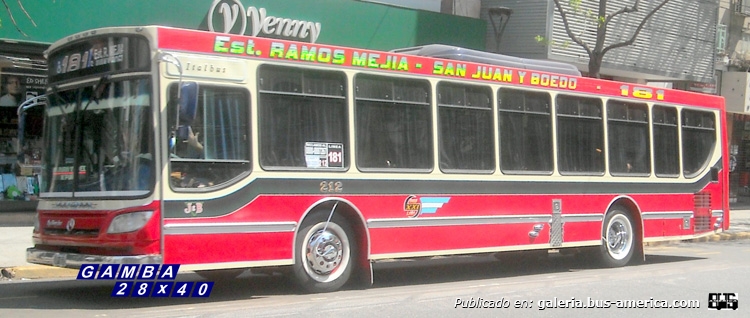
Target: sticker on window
(324,155)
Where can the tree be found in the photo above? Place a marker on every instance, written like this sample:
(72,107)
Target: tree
(601,22)
(13,19)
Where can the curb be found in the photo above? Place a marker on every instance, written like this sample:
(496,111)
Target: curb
(723,237)
(37,271)
(733,236)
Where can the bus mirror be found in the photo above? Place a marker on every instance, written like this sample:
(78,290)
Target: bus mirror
(187,107)
(188,102)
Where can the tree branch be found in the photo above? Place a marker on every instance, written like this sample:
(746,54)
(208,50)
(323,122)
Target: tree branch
(27,13)
(634,8)
(637,31)
(567,28)
(13,19)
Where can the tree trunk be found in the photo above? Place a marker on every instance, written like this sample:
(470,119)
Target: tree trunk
(595,64)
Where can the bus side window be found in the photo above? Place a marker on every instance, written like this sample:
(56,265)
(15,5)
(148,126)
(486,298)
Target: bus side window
(698,140)
(214,148)
(300,108)
(525,126)
(465,125)
(628,136)
(580,135)
(666,141)
(394,126)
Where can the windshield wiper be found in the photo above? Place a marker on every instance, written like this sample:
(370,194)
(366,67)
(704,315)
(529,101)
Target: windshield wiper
(99,88)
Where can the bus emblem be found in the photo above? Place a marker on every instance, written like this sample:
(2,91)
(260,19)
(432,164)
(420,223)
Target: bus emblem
(71,224)
(415,206)
(412,206)
(193,208)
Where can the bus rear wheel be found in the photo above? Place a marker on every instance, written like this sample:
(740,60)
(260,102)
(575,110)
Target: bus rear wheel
(324,253)
(618,238)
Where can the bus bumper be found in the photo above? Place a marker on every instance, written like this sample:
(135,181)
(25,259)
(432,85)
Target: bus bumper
(74,260)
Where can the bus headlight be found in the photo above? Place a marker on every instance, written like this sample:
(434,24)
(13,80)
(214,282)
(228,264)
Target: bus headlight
(129,222)
(36,223)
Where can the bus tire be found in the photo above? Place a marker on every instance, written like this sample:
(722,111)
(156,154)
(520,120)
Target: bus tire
(618,238)
(325,253)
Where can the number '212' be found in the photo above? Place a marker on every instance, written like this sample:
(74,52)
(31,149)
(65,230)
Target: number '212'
(641,92)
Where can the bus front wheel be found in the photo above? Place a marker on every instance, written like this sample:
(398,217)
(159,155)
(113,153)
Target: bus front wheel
(618,238)
(324,253)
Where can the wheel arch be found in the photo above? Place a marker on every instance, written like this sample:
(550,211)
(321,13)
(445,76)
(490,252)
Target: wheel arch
(363,271)
(634,211)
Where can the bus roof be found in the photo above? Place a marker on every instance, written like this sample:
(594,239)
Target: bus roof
(441,61)
(469,55)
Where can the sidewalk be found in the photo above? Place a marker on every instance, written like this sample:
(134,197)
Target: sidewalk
(15,239)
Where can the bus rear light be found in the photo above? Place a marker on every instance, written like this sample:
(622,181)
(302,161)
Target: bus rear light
(129,222)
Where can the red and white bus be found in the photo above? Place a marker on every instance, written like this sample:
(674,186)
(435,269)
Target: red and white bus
(222,152)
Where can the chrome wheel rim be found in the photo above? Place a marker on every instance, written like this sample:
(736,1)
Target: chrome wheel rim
(326,252)
(619,238)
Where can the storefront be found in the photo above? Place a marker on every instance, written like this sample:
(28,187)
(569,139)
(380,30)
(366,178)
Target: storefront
(22,77)
(738,131)
(339,22)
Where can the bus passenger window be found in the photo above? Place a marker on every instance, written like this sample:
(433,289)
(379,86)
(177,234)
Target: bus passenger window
(698,140)
(580,135)
(628,136)
(466,138)
(525,126)
(302,118)
(394,126)
(666,142)
(214,148)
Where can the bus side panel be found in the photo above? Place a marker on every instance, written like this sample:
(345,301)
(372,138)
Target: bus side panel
(227,247)
(444,238)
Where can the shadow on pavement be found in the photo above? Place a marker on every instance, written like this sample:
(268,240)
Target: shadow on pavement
(96,294)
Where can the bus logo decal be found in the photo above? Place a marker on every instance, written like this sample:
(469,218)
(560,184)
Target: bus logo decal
(412,206)
(193,208)
(415,206)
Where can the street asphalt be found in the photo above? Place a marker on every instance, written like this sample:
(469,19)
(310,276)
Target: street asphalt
(16,228)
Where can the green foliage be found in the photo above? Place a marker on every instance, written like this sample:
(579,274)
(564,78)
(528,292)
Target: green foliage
(547,42)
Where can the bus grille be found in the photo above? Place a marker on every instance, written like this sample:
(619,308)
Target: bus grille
(702,223)
(702,212)
(93,232)
(702,200)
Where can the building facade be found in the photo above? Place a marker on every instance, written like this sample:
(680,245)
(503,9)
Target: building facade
(700,45)
(29,27)
(733,64)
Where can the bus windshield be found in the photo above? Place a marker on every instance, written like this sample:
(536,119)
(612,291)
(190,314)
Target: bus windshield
(100,140)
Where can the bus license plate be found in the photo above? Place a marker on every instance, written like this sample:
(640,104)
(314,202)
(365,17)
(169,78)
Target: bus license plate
(59,260)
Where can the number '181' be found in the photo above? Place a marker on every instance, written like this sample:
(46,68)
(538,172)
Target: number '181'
(641,92)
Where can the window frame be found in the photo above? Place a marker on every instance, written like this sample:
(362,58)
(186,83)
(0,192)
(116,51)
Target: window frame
(578,116)
(524,112)
(312,99)
(656,123)
(395,96)
(628,121)
(210,163)
(687,124)
(466,106)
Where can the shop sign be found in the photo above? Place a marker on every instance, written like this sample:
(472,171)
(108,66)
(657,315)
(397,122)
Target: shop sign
(230,16)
